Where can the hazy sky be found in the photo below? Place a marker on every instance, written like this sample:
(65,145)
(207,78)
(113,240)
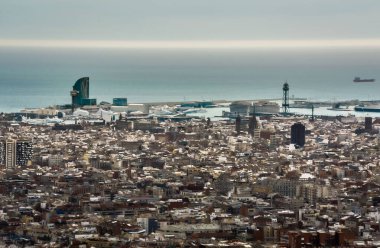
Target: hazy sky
(173,20)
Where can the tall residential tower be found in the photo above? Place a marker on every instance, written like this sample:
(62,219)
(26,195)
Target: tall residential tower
(15,153)
(298,134)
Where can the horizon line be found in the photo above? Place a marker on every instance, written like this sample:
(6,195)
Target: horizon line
(191,44)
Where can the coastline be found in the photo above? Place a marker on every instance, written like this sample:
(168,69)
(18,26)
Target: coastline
(322,108)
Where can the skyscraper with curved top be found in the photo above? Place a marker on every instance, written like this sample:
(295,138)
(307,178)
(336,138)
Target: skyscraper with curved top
(81,90)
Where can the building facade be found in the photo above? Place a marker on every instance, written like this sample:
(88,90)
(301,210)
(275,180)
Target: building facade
(24,152)
(15,153)
(252,108)
(10,153)
(120,102)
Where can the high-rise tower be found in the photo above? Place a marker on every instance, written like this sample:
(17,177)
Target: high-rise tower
(80,92)
(16,153)
(238,124)
(252,124)
(298,134)
(10,154)
(24,152)
(82,86)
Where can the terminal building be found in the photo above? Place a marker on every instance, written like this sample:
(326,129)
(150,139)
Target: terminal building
(246,108)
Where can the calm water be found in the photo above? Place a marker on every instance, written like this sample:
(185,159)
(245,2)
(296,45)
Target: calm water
(41,77)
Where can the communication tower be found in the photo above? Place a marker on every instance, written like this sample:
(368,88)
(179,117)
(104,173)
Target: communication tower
(285,98)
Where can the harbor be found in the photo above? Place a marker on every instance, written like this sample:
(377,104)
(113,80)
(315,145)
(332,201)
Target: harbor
(85,109)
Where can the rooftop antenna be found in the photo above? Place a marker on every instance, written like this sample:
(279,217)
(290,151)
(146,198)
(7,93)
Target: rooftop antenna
(285,97)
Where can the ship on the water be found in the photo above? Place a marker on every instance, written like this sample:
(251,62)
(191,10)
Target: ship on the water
(368,108)
(359,80)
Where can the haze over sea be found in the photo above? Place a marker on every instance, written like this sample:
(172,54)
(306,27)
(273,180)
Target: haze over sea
(39,77)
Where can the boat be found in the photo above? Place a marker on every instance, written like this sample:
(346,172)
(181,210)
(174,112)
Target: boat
(359,80)
(367,108)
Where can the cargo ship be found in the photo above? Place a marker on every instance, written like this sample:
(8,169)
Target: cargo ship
(368,108)
(359,80)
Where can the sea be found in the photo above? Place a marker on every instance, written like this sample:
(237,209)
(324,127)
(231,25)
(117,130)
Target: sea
(40,77)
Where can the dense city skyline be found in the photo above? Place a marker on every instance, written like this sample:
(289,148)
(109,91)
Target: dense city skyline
(218,123)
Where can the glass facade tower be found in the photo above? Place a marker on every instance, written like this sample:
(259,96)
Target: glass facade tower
(81,90)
